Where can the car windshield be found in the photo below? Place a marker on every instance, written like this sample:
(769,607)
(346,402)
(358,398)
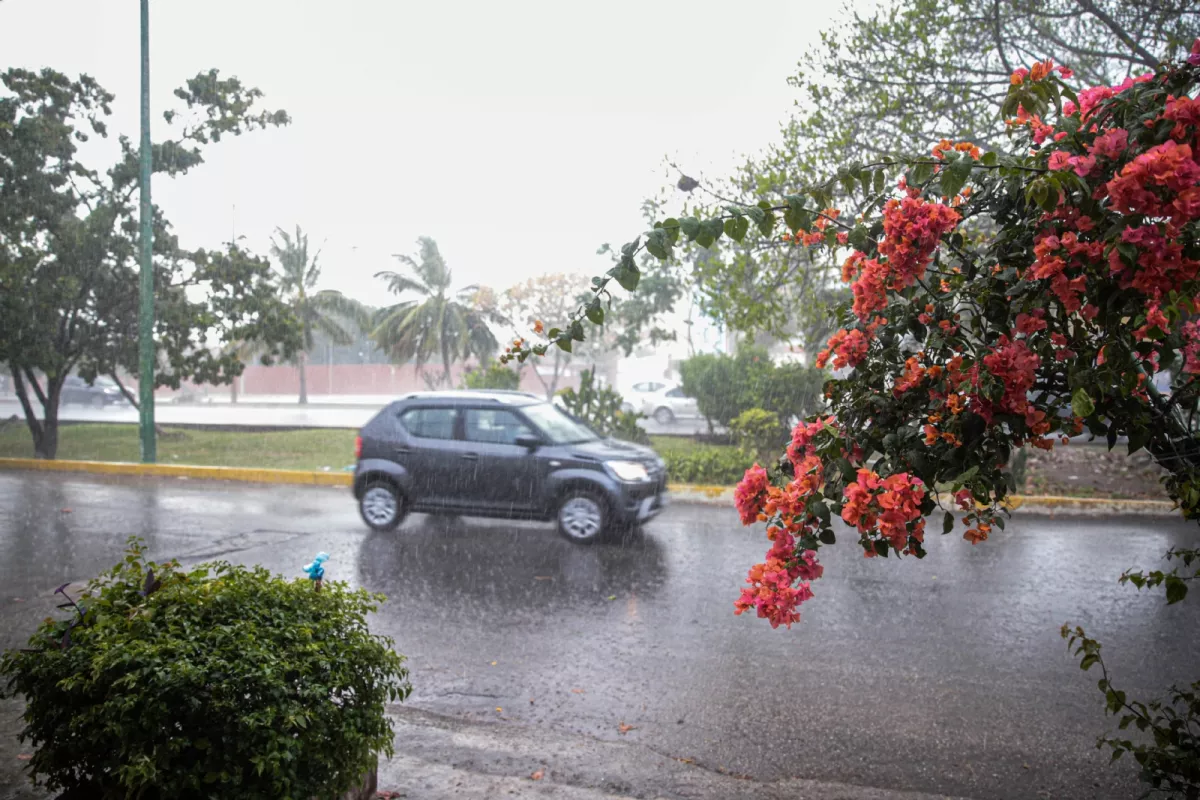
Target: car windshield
(557,426)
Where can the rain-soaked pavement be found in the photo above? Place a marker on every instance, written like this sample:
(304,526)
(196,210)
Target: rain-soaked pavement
(945,676)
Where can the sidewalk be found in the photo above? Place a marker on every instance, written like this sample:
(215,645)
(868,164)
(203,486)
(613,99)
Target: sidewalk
(440,756)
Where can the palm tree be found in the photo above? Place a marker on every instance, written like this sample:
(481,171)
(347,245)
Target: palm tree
(437,323)
(327,311)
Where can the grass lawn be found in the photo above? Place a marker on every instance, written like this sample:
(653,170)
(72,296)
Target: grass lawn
(311,449)
(684,445)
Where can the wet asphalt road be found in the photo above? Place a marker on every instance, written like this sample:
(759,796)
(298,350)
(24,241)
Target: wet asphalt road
(942,676)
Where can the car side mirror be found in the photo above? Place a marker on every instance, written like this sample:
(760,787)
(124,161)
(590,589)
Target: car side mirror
(528,441)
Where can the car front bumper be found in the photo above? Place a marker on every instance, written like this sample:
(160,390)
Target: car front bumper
(640,502)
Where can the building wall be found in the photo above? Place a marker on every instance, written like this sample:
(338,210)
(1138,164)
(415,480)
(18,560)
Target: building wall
(382,379)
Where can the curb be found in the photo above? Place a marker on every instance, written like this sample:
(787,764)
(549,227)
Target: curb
(245,474)
(680,493)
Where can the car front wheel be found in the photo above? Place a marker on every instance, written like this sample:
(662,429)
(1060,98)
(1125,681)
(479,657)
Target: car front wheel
(582,517)
(381,506)
(664,416)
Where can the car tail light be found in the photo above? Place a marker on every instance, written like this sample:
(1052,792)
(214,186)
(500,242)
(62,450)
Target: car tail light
(358,447)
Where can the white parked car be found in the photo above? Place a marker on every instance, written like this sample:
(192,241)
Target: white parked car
(663,401)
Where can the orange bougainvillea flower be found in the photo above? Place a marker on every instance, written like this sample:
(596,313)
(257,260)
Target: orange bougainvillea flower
(537,326)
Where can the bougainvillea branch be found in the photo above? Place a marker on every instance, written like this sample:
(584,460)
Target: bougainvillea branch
(998,302)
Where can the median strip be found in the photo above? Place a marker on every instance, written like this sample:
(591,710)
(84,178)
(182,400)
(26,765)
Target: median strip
(680,493)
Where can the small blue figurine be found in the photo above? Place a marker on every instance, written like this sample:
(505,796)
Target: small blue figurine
(315,570)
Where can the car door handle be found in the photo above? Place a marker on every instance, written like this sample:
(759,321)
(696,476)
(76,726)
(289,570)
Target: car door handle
(401,451)
(469,456)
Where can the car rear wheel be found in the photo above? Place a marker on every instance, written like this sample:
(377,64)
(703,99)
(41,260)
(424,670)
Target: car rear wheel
(381,506)
(582,517)
(664,416)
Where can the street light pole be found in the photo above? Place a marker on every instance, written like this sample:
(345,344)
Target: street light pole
(146,288)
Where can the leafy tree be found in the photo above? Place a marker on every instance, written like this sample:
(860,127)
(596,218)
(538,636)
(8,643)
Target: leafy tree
(69,244)
(889,82)
(451,327)
(726,386)
(329,312)
(999,300)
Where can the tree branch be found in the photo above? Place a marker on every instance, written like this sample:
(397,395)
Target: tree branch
(1146,57)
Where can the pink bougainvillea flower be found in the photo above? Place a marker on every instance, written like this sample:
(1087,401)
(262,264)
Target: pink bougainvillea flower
(751,493)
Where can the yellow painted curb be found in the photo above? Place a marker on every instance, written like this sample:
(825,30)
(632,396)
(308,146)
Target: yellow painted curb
(246,474)
(701,493)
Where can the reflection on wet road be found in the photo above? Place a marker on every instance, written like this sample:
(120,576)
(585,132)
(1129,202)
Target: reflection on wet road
(946,675)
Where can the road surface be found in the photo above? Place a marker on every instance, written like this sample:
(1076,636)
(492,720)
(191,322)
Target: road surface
(938,677)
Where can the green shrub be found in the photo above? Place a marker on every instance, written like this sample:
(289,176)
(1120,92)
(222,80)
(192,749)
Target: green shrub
(714,466)
(725,386)
(759,433)
(220,681)
(600,409)
(494,376)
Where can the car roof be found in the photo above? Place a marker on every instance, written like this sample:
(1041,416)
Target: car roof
(452,397)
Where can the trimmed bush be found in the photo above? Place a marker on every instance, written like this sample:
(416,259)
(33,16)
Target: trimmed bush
(493,376)
(219,681)
(714,466)
(759,433)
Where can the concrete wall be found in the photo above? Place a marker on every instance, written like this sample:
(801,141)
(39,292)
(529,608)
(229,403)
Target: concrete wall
(358,379)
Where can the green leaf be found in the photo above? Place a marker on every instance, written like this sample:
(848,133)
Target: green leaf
(827,537)
(658,243)
(859,238)
(710,232)
(595,312)
(1088,660)
(564,342)
(947,522)
(955,174)
(1081,403)
(796,217)
(1176,589)
(736,228)
(671,226)
(966,476)
(880,180)
(920,173)
(764,220)
(690,227)
(626,273)
(881,547)
(577,331)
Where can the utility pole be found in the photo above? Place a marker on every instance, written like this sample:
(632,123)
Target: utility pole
(146,287)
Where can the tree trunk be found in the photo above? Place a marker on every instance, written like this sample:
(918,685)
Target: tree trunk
(233,389)
(44,431)
(303,379)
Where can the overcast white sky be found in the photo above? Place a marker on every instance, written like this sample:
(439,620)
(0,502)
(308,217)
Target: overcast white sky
(520,135)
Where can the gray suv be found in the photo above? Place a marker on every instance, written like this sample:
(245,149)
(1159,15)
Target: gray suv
(501,454)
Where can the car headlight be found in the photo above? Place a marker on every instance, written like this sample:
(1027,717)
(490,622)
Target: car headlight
(628,470)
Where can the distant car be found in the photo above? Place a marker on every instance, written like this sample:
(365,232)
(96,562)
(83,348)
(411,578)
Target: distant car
(102,392)
(501,454)
(663,401)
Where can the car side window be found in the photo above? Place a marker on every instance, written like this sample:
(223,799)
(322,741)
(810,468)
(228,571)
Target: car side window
(676,392)
(493,426)
(641,387)
(429,423)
